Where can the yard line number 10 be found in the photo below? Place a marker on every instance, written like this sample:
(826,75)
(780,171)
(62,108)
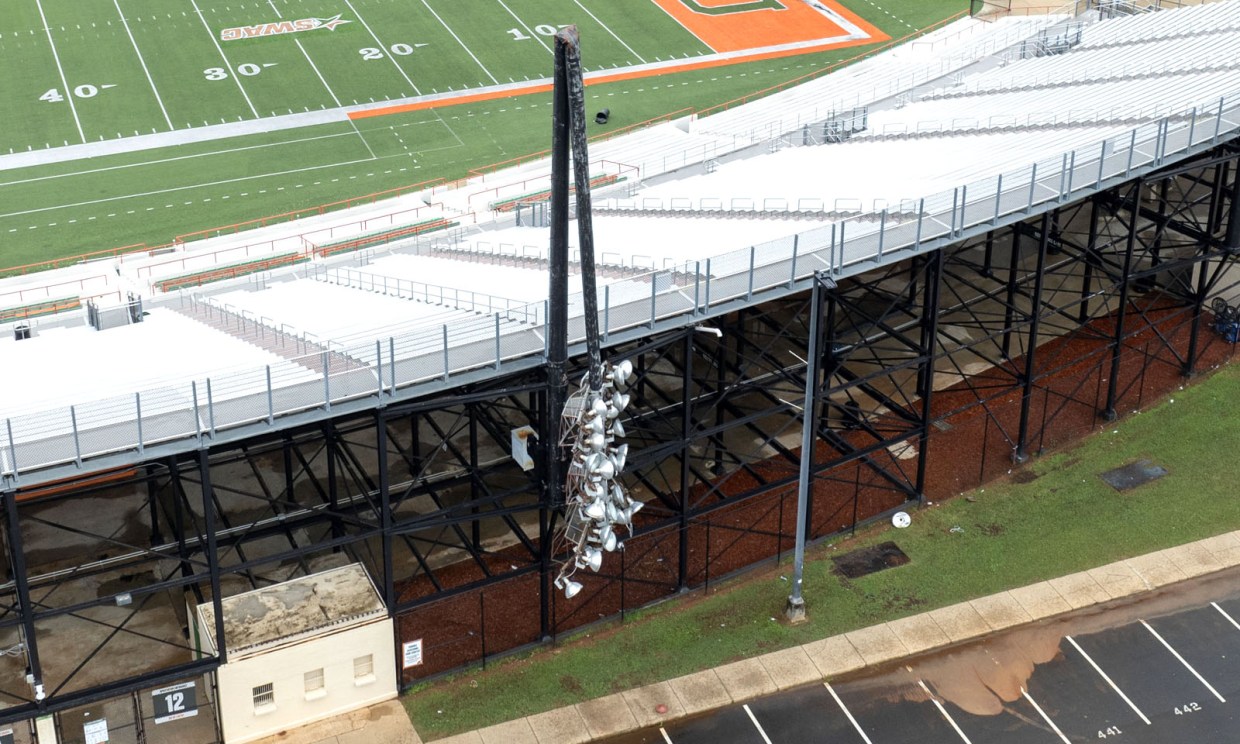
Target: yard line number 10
(542,29)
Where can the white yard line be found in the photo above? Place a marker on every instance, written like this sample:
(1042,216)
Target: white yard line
(847,712)
(137,51)
(530,31)
(756,725)
(666,738)
(144,163)
(387,53)
(306,54)
(458,41)
(1045,717)
(63,81)
(608,30)
(1104,676)
(943,710)
(175,189)
(231,72)
(1187,666)
(373,156)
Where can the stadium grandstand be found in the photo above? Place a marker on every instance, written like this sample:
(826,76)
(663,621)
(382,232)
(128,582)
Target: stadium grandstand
(1009,227)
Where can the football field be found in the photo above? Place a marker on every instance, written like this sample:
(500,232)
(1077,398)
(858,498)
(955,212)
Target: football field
(81,71)
(405,91)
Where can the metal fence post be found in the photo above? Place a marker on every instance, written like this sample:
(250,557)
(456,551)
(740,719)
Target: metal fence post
(210,409)
(998,198)
(796,239)
(839,269)
(1102,159)
(697,288)
(446,369)
(955,203)
(654,296)
(8,425)
(707,284)
(1033,183)
(882,233)
(137,403)
(327,385)
(193,389)
(497,350)
(77,446)
(392,364)
(964,199)
(271,406)
(1192,126)
(1218,122)
(921,215)
(752,256)
(606,310)
(1132,149)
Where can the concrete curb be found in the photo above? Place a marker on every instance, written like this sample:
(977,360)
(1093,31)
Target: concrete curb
(837,655)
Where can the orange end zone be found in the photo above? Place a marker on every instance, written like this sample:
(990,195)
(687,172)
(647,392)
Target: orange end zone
(763,45)
(789,22)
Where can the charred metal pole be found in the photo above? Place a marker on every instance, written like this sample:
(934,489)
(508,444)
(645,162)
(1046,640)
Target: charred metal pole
(557,328)
(570,41)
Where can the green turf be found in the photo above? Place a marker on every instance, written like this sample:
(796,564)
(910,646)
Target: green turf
(71,208)
(1008,535)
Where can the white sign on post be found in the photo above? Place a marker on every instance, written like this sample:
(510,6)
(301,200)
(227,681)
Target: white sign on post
(175,702)
(413,653)
(96,732)
(6,736)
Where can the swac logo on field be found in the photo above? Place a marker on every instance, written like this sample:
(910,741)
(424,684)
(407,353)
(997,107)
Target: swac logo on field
(281,27)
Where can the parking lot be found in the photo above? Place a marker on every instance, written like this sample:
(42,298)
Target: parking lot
(1163,670)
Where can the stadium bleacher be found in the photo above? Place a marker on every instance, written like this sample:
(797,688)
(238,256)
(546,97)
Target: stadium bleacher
(959,129)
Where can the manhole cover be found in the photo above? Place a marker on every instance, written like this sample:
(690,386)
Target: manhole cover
(868,560)
(1132,475)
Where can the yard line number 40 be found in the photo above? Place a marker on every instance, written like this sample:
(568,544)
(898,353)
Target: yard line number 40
(54,95)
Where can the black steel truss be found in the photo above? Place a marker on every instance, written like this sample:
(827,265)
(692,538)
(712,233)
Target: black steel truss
(426,495)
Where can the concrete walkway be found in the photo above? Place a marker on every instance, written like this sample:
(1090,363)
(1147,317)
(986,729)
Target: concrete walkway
(387,723)
(830,657)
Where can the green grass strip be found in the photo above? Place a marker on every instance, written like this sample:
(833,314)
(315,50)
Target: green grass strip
(1010,535)
(39,309)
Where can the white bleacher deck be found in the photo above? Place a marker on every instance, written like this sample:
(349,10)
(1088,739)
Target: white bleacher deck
(706,204)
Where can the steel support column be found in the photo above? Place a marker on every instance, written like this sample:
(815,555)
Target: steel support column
(925,375)
(1022,433)
(17,558)
(1125,283)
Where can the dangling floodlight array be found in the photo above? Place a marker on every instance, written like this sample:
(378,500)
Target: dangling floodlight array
(596,503)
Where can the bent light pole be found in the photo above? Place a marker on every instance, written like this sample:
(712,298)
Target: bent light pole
(586,425)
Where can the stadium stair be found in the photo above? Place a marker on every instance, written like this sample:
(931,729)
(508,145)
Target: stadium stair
(297,349)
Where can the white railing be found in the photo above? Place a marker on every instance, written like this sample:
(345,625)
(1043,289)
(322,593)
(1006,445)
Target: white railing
(390,361)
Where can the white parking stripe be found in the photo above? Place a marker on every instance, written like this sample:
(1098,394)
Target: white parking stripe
(666,738)
(1187,666)
(1103,674)
(1230,619)
(1045,717)
(852,720)
(757,725)
(943,710)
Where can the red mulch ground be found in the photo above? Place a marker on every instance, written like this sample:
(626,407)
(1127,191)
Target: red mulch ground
(1073,379)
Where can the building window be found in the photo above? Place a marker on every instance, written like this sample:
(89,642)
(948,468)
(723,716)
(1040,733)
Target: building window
(264,698)
(314,684)
(364,669)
